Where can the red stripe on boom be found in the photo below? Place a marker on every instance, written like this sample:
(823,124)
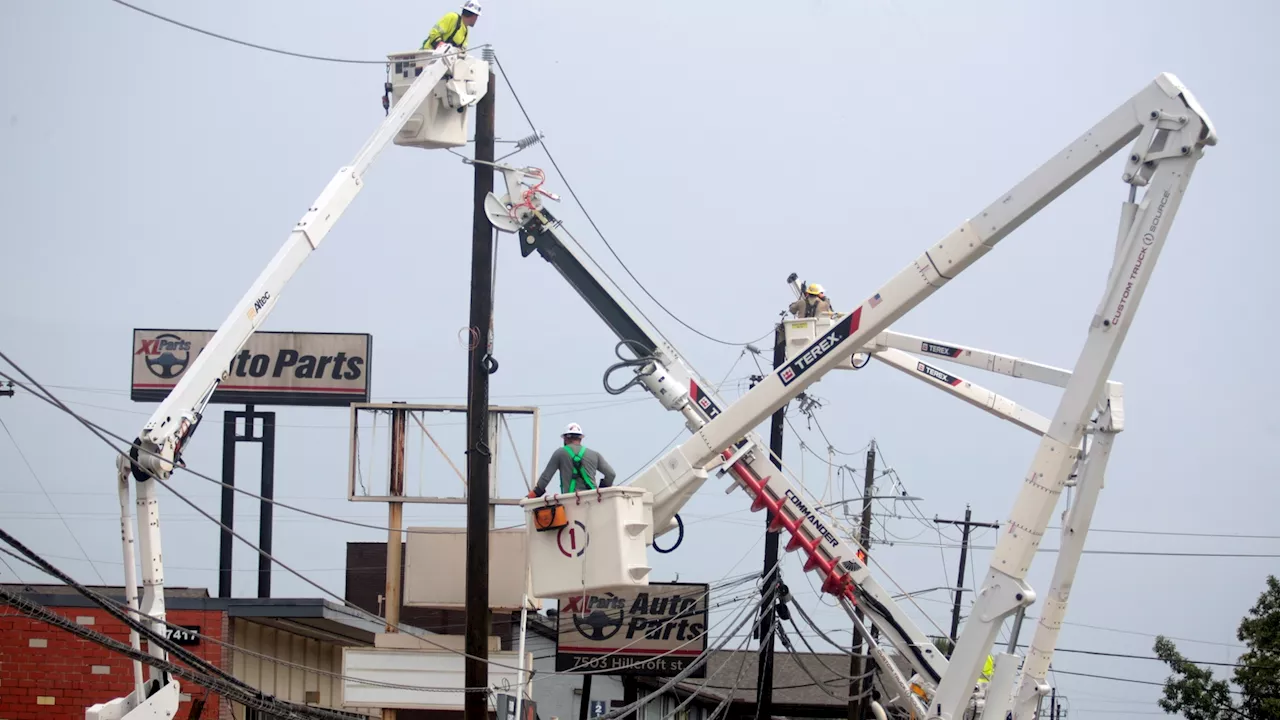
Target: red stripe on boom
(833,581)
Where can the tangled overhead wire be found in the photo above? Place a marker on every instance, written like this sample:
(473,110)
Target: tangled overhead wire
(809,404)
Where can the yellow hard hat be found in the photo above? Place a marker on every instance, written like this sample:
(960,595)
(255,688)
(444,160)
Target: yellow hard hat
(814,289)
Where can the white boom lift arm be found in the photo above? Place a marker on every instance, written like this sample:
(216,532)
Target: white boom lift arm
(544,235)
(892,348)
(661,370)
(446,75)
(1168,131)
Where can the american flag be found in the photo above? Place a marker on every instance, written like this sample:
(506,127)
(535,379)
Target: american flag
(875,300)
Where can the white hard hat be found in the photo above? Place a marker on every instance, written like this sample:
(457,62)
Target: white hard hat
(471,6)
(572,429)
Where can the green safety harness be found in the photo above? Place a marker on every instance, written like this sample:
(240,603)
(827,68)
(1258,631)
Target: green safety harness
(577,471)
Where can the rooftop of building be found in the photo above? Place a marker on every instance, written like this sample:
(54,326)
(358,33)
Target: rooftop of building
(307,616)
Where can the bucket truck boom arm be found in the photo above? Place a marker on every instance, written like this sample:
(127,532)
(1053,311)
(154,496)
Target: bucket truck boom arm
(665,373)
(1168,131)
(159,446)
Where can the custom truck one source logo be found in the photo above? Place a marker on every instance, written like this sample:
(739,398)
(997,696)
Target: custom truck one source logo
(1148,239)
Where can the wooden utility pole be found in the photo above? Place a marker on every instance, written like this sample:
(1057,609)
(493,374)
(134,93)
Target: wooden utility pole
(476,675)
(858,661)
(764,676)
(964,552)
(395,520)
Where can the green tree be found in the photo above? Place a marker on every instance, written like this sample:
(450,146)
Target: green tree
(943,644)
(1193,692)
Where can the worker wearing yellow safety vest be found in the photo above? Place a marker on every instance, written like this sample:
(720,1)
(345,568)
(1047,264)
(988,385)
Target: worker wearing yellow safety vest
(453,27)
(577,465)
(987,668)
(917,684)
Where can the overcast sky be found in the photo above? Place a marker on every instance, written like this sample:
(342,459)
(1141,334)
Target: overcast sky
(150,173)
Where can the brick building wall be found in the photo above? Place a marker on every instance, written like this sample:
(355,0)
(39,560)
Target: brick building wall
(49,674)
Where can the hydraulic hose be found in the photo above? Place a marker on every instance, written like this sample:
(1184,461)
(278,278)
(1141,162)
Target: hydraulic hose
(679,537)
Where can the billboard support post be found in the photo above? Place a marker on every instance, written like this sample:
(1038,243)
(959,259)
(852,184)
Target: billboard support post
(266,519)
(225,546)
(231,436)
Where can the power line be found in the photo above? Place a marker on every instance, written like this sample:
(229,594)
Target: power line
(1138,553)
(245,43)
(14,573)
(53,505)
(1174,533)
(98,429)
(251,698)
(124,607)
(1104,628)
(102,435)
(216,678)
(596,227)
(829,443)
(1142,634)
(711,607)
(386,396)
(1179,533)
(1101,653)
(1108,677)
(913,506)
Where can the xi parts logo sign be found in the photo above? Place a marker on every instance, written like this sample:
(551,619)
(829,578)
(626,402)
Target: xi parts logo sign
(655,630)
(166,355)
(273,368)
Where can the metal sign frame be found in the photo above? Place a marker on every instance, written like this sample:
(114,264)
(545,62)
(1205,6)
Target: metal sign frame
(496,413)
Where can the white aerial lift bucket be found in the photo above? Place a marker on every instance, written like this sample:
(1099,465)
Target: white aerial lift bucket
(800,333)
(588,541)
(441,119)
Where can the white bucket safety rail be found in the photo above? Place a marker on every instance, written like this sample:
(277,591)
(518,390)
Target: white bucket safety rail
(593,539)
(441,120)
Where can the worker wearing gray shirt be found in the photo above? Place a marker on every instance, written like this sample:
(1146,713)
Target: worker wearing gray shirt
(577,465)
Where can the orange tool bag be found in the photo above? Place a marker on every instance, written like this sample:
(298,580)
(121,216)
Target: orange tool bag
(549,517)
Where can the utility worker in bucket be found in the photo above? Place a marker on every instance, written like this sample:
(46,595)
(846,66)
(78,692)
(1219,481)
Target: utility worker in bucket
(577,465)
(812,303)
(453,27)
